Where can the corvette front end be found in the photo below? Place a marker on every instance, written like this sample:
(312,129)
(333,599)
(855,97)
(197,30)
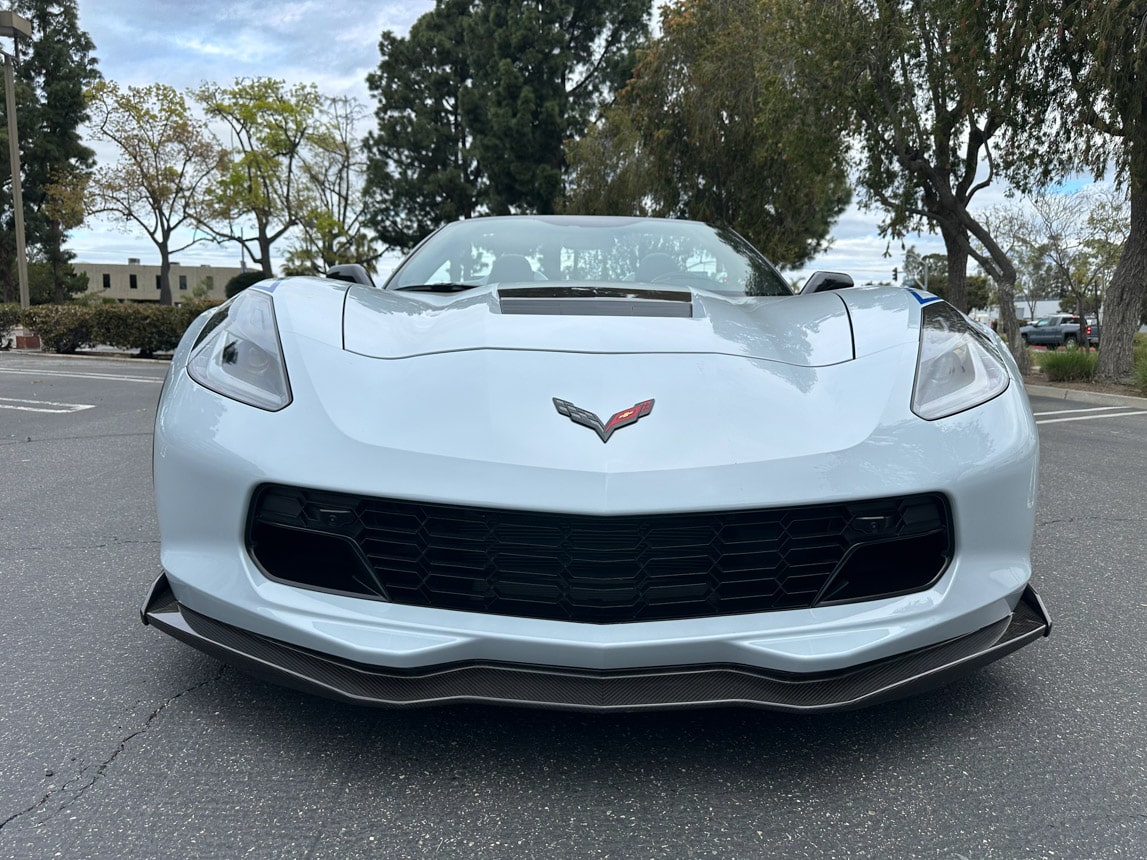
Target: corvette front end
(757,517)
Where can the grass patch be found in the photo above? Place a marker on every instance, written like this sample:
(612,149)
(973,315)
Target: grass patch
(1068,365)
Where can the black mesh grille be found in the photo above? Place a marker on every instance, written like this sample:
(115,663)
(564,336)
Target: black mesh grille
(600,569)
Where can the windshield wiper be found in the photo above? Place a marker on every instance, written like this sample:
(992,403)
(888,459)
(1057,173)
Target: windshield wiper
(437,288)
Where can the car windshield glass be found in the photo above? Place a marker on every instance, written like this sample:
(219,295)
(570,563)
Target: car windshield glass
(645,253)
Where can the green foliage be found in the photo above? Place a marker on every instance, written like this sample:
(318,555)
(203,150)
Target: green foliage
(610,172)
(62,328)
(330,228)
(476,104)
(1140,362)
(731,134)
(166,158)
(538,72)
(241,281)
(421,171)
(1068,365)
(45,286)
(147,328)
(1090,111)
(260,182)
(9,319)
(52,71)
(930,85)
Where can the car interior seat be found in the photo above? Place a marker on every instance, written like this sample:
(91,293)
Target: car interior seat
(510,267)
(652,266)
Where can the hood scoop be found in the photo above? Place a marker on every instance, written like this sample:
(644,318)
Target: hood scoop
(595,302)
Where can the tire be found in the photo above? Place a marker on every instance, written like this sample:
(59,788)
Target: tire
(1069,341)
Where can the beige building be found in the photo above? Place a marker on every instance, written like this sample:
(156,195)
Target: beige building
(136,282)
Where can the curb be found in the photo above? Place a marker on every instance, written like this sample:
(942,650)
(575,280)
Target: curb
(97,356)
(1078,396)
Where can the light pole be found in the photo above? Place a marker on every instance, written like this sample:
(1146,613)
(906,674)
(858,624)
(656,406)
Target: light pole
(15,26)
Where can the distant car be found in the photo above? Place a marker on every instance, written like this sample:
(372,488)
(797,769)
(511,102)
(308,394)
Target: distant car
(1059,330)
(598,464)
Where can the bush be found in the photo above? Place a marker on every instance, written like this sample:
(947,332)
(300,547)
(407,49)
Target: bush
(241,281)
(1068,365)
(9,319)
(148,328)
(63,328)
(1140,370)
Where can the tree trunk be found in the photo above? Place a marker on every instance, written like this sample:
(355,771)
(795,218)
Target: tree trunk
(1009,328)
(265,255)
(957,269)
(164,276)
(1125,295)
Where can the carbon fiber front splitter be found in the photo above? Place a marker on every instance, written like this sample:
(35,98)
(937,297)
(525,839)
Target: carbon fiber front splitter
(583,690)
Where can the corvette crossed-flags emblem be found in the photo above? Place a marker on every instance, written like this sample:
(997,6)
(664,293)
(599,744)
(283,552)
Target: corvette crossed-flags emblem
(619,419)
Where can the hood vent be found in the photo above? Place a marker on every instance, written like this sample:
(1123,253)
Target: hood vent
(595,302)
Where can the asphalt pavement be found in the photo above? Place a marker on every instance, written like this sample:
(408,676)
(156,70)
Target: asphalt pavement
(117,741)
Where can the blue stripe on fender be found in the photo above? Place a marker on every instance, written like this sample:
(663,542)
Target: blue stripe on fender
(924,300)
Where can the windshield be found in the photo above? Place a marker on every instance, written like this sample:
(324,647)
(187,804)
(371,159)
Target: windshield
(587,250)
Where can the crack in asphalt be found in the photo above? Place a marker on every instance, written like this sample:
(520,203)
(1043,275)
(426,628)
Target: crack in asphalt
(76,792)
(114,542)
(1132,520)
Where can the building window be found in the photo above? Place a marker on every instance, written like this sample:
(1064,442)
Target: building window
(209,280)
(133,282)
(159,282)
(183,282)
(107,281)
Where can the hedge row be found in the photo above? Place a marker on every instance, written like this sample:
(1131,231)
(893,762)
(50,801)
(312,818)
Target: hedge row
(146,328)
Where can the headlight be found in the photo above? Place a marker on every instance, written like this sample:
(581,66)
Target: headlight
(239,356)
(958,367)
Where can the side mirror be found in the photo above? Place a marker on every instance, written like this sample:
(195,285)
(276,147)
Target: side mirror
(352,272)
(820,282)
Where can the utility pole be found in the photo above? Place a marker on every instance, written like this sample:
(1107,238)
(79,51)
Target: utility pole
(15,26)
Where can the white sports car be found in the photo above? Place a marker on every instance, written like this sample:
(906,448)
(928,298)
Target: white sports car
(594,463)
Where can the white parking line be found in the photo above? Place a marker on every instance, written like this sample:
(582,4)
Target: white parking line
(1089,409)
(43,406)
(1090,417)
(67,375)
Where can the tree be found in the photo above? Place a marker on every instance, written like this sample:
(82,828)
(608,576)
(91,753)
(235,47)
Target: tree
(421,171)
(539,72)
(261,177)
(929,271)
(476,104)
(167,156)
(240,282)
(935,88)
(1089,110)
(1081,237)
(51,77)
(331,229)
(732,135)
(610,171)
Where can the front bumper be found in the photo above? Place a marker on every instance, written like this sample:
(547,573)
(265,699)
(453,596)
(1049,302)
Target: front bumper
(587,690)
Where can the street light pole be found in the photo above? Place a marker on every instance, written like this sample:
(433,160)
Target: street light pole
(15,26)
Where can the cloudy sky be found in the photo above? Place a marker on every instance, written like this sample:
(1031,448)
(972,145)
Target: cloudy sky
(331,43)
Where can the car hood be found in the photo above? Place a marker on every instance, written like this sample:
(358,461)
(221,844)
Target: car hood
(803,331)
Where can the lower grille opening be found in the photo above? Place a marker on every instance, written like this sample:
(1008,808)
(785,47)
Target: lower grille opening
(888,568)
(600,569)
(314,560)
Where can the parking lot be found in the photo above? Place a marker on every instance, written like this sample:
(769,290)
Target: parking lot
(117,741)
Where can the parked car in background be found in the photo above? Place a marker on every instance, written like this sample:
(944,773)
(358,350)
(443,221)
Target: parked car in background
(1060,330)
